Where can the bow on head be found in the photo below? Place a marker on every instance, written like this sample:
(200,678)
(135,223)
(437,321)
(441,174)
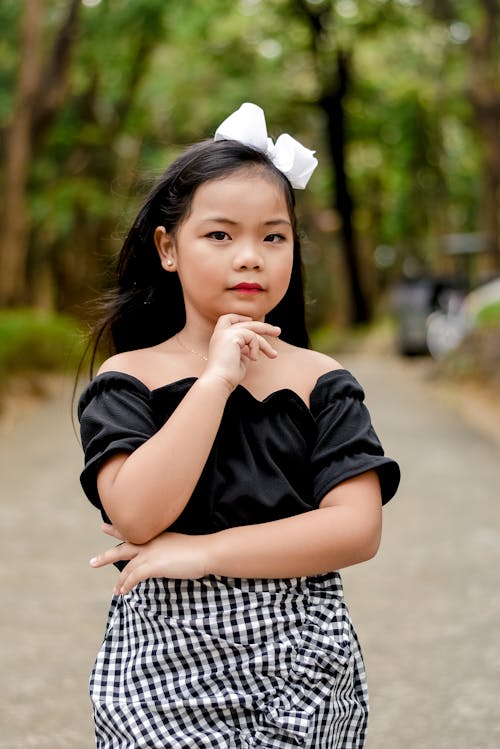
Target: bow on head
(248,125)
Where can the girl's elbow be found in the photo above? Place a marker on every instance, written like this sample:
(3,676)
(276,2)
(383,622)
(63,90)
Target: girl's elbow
(372,548)
(139,536)
(372,541)
(134,527)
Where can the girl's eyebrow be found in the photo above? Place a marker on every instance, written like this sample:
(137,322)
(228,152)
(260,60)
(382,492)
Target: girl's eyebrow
(276,222)
(218,220)
(222,220)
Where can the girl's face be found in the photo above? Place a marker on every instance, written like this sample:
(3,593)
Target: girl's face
(234,250)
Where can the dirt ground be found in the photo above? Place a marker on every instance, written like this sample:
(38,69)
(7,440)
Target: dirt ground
(427,608)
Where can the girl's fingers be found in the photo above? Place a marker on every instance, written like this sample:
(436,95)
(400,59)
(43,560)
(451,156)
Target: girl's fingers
(261,328)
(266,348)
(252,343)
(122,552)
(249,335)
(235,321)
(246,351)
(255,347)
(258,343)
(130,577)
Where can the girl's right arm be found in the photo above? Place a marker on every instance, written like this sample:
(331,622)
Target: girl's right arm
(144,492)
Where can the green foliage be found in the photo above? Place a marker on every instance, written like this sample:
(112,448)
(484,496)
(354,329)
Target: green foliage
(489,315)
(33,340)
(150,76)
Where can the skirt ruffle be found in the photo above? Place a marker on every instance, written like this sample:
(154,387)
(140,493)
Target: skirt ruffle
(226,663)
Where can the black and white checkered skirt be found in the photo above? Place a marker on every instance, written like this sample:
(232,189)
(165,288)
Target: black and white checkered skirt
(226,663)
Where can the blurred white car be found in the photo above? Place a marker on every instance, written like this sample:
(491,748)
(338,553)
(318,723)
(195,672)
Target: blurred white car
(446,328)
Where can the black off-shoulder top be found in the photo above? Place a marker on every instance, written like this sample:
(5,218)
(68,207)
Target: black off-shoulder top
(271,459)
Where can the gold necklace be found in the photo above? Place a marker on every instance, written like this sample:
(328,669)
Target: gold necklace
(191,350)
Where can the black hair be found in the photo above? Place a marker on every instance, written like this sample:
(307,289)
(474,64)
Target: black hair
(147,305)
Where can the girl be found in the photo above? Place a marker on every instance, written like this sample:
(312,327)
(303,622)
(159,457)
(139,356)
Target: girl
(239,469)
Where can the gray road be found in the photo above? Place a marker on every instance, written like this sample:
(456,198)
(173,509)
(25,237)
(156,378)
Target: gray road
(427,608)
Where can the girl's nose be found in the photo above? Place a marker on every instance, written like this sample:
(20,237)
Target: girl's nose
(248,256)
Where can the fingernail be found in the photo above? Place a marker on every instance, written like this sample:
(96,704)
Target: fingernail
(93,561)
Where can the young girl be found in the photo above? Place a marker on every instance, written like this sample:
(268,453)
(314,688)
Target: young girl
(239,469)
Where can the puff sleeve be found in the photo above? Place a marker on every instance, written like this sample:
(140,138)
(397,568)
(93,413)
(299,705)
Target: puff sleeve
(346,444)
(115,416)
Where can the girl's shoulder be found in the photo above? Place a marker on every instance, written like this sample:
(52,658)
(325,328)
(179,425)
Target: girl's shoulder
(125,362)
(312,364)
(154,366)
(128,362)
(303,368)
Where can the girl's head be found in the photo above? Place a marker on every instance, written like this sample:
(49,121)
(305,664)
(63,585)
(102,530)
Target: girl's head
(233,250)
(147,306)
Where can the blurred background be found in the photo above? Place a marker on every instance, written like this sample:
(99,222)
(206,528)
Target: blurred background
(400,98)
(401,236)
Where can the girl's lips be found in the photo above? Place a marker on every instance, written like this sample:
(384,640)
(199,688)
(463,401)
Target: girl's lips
(247,288)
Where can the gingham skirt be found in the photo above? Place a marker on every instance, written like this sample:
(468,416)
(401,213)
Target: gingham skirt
(226,663)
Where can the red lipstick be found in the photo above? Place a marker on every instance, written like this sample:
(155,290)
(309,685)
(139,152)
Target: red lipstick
(247,288)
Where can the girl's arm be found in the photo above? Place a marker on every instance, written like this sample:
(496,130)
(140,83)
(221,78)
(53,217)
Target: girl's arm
(345,530)
(144,492)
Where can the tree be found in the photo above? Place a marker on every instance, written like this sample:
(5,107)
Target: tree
(333,70)
(375,87)
(484,93)
(40,92)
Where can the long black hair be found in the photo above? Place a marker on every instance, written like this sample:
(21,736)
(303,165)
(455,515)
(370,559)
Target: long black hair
(147,305)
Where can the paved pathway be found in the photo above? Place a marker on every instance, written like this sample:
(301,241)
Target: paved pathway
(427,608)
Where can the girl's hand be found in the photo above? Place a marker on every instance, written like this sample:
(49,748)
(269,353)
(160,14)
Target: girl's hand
(236,341)
(173,555)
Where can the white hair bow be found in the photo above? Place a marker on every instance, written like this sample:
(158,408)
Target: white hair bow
(248,125)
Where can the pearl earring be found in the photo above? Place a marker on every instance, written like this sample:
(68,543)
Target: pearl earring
(170,262)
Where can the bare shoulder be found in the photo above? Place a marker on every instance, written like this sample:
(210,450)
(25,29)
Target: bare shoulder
(127,362)
(305,366)
(154,366)
(319,363)
(313,361)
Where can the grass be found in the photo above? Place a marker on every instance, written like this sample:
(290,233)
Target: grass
(333,340)
(32,340)
(489,315)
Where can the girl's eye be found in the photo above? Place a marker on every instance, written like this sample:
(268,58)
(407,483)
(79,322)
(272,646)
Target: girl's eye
(275,238)
(220,236)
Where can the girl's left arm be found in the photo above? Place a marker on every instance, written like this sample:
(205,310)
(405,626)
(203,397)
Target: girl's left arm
(345,530)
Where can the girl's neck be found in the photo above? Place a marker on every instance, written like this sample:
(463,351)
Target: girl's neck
(197,335)
(189,349)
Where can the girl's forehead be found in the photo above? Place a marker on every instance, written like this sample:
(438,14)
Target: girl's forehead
(242,189)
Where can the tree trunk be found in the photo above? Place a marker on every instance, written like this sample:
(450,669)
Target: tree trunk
(484,94)
(53,82)
(40,93)
(15,222)
(331,100)
(333,107)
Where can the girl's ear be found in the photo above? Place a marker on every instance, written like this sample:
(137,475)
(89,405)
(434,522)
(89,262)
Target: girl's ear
(166,249)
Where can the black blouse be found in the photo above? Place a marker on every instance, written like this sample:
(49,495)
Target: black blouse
(271,459)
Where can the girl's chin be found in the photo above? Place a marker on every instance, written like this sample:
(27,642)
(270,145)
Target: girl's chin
(247,310)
